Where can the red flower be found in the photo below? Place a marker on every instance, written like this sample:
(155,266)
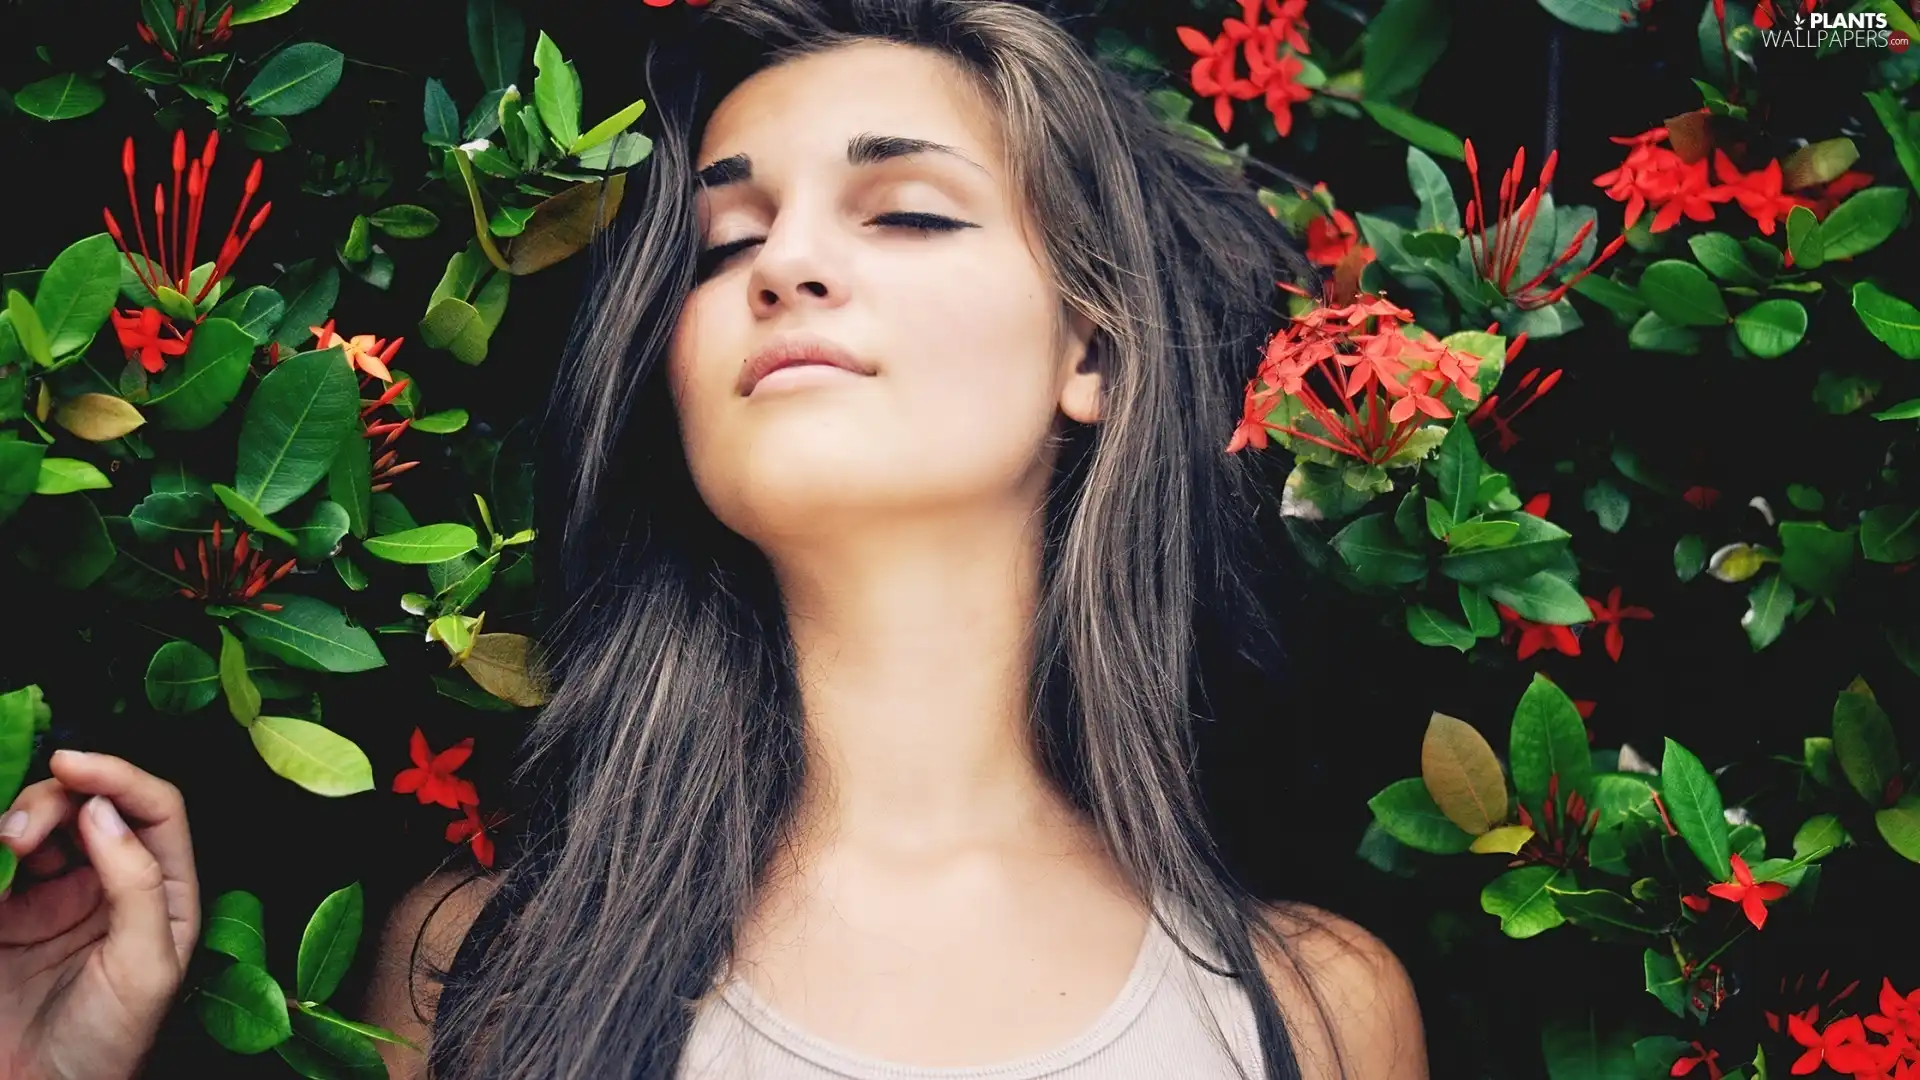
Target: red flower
(1758,192)
(1538,505)
(240,581)
(1753,897)
(1489,410)
(1823,199)
(431,780)
(1327,378)
(190,29)
(472,830)
(1843,1047)
(175,238)
(1609,616)
(1329,238)
(388,464)
(364,352)
(1696,902)
(1498,259)
(1656,175)
(1536,636)
(1701,497)
(1283,91)
(1561,833)
(1700,1056)
(1272,73)
(141,337)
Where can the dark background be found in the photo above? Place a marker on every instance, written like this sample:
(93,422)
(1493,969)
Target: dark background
(1289,768)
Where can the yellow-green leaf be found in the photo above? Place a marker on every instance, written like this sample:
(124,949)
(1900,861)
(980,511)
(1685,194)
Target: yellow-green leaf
(98,417)
(505,665)
(320,760)
(1462,774)
(1505,840)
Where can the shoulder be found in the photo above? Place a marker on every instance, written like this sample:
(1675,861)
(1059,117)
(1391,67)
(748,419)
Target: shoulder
(1349,1004)
(418,944)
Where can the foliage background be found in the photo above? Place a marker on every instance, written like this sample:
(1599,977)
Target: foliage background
(1291,770)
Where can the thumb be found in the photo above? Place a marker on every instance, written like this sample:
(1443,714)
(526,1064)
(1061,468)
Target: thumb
(138,954)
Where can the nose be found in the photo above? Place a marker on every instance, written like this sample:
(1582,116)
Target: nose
(799,265)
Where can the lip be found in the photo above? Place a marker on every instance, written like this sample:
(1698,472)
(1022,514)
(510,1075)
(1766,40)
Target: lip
(791,350)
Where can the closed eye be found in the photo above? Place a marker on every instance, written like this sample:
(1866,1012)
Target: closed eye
(714,257)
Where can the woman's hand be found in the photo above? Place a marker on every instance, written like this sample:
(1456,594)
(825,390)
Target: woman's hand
(94,939)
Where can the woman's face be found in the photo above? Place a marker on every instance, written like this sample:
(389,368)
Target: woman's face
(917,264)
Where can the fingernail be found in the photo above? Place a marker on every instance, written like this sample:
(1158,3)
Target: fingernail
(13,825)
(105,816)
(70,755)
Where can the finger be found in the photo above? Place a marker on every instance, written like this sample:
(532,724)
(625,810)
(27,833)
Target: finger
(39,809)
(154,805)
(139,951)
(42,910)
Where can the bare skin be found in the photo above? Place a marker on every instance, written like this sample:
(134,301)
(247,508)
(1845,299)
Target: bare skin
(900,510)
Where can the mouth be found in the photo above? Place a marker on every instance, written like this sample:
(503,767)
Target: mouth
(796,351)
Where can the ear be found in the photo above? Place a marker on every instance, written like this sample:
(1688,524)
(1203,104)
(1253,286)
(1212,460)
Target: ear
(1080,389)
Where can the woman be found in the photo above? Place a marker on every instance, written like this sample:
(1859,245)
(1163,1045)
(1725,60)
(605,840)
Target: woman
(889,497)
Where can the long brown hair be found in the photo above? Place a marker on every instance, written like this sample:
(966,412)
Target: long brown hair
(670,756)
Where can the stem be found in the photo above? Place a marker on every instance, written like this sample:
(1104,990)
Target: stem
(479,212)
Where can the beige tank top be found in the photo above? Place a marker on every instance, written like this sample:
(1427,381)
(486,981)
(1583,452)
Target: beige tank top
(1172,1017)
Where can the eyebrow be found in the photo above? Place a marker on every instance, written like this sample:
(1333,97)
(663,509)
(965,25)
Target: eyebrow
(865,148)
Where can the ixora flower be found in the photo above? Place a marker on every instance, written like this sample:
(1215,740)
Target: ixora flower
(1609,615)
(1561,833)
(386,463)
(1329,376)
(247,571)
(431,779)
(1757,192)
(190,32)
(1656,175)
(1497,258)
(1502,422)
(1536,636)
(149,333)
(475,831)
(365,352)
(1271,73)
(1695,1057)
(1753,897)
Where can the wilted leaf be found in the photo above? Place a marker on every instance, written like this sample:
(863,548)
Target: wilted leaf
(506,666)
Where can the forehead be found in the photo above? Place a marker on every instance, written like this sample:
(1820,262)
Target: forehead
(806,110)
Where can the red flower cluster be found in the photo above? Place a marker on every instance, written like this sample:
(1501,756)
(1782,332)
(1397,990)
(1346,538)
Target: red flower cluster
(432,780)
(245,575)
(1272,72)
(190,32)
(1561,833)
(1498,258)
(1489,410)
(1845,1048)
(148,334)
(1339,366)
(370,355)
(1655,175)
(1753,897)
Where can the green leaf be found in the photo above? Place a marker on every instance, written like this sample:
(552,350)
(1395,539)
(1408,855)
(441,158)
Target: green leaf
(328,1047)
(350,481)
(389,515)
(181,678)
(1548,739)
(1841,395)
(1804,240)
(64,476)
(295,80)
(236,927)
(310,634)
(1655,334)
(256,310)
(1401,44)
(1768,603)
(1693,801)
(1771,328)
(1430,627)
(310,289)
(76,292)
(1889,318)
(1521,900)
(1864,742)
(444,422)
(1861,223)
(250,514)
(426,544)
(1600,16)
(1888,534)
(325,526)
(298,415)
(19,473)
(1484,621)
(1374,551)
(1609,504)
(1604,910)
(253,11)
(1680,293)
(319,760)
(1821,832)
(1725,259)
(497,37)
(1543,597)
(1899,826)
(244,1009)
(243,697)
(456,326)
(1665,982)
(1535,544)
(27,329)
(1421,133)
(442,117)
(556,93)
(328,944)
(1818,163)
(190,395)
(65,540)
(1815,558)
(1689,556)
(608,128)
(263,134)
(405,221)
(1581,1051)
(1481,533)
(1898,123)
(1457,470)
(1408,813)
(60,97)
